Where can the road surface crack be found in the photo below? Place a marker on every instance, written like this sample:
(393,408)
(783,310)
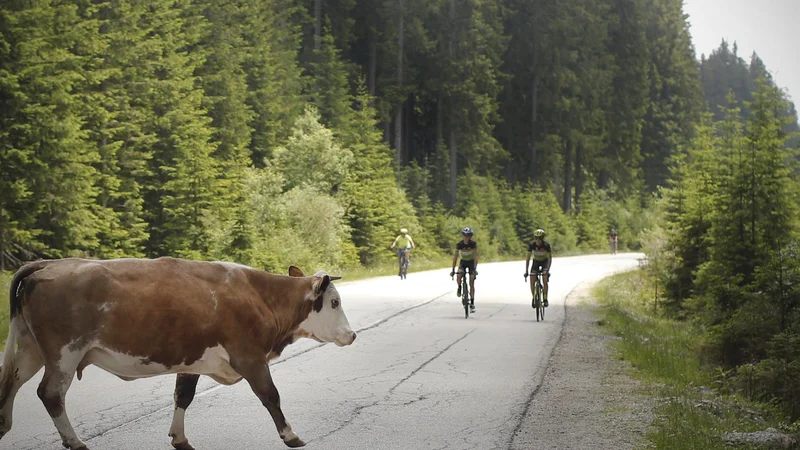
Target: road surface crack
(358,410)
(541,373)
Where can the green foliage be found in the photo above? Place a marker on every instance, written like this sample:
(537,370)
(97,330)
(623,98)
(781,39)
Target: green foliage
(200,128)
(538,208)
(732,220)
(376,207)
(484,202)
(311,157)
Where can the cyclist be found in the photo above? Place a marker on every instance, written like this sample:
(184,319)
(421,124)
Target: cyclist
(613,239)
(542,258)
(404,244)
(468,249)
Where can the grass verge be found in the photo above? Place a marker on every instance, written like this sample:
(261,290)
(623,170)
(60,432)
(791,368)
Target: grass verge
(387,269)
(5,281)
(664,353)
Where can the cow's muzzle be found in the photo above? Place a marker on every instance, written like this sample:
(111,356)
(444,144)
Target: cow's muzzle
(346,338)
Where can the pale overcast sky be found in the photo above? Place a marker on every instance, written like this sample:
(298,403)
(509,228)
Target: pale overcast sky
(770,27)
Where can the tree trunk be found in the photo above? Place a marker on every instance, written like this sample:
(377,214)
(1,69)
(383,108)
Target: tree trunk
(408,150)
(439,132)
(2,251)
(453,151)
(398,118)
(781,291)
(567,202)
(373,62)
(534,105)
(578,173)
(534,93)
(453,166)
(317,23)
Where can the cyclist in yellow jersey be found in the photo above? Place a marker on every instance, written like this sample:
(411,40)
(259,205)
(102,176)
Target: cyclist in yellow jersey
(468,249)
(404,244)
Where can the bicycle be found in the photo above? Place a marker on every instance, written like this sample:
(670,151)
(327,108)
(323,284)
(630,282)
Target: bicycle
(538,288)
(404,264)
(464,292)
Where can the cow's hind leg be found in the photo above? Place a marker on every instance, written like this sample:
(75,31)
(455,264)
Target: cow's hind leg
(260,381)
(53,391)
(23,363)
(185,387)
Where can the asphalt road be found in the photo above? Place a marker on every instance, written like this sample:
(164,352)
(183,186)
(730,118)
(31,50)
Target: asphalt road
(419,376)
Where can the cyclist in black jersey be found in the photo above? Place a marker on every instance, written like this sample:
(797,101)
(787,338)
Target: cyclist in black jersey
(542,258)
(469,260)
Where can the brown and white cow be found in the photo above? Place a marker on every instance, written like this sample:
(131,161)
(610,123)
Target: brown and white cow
(140,318)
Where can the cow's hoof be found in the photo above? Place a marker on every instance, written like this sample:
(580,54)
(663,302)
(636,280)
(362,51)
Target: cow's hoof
(294,443)
(183,446)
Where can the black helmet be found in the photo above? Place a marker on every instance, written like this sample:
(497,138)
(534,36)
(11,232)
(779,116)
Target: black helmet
(467,231)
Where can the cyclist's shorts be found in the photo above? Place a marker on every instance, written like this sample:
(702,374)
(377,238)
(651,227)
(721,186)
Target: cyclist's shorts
(469,264)
(539,266)
(401,250)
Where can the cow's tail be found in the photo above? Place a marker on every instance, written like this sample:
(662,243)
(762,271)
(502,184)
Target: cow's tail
(7,370)
(14,291)
(15,303)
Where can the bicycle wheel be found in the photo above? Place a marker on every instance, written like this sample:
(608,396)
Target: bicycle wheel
(538,297)
(465,296)
(541,301)
(541,307)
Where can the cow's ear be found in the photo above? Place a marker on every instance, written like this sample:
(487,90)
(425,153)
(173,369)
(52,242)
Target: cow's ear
(333,278)
(320,284)
(295,272)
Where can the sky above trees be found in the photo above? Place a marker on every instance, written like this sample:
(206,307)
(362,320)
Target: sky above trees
(768,27)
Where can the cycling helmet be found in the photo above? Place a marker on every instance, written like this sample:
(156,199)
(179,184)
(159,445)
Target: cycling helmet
(539,233)
(467,231)
(404,230)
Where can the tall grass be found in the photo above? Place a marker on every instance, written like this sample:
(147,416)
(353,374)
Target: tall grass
(665,354)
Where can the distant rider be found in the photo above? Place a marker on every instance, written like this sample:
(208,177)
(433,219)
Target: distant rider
(468,250)
(613,240)
(404,244)
(542,258)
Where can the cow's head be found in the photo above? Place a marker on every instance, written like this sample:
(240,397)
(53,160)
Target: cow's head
(326,322)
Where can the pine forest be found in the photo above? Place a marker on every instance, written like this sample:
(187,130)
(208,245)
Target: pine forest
(278,132)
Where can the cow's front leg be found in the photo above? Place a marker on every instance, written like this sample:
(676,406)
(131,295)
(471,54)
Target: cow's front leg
(185,387)
(260,381)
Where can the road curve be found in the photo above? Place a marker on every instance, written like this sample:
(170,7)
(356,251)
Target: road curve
(418,376)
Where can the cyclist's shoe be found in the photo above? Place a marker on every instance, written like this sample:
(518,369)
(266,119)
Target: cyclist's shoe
(533,302)
(458,293)
(545,302)
(472,306)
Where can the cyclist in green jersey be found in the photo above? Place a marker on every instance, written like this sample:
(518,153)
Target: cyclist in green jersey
(468,249)
(542,258)
(404,244)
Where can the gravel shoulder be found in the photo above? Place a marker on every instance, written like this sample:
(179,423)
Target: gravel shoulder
(586,400)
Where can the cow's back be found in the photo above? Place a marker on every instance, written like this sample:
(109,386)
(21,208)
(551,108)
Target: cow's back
(169,310)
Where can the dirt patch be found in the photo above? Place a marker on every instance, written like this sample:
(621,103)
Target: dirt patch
(586,400)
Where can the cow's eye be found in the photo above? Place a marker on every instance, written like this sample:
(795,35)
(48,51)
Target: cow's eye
(335,303)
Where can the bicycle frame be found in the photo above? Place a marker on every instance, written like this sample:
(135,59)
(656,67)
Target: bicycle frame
(403,262)
(464,291)
(538,290)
